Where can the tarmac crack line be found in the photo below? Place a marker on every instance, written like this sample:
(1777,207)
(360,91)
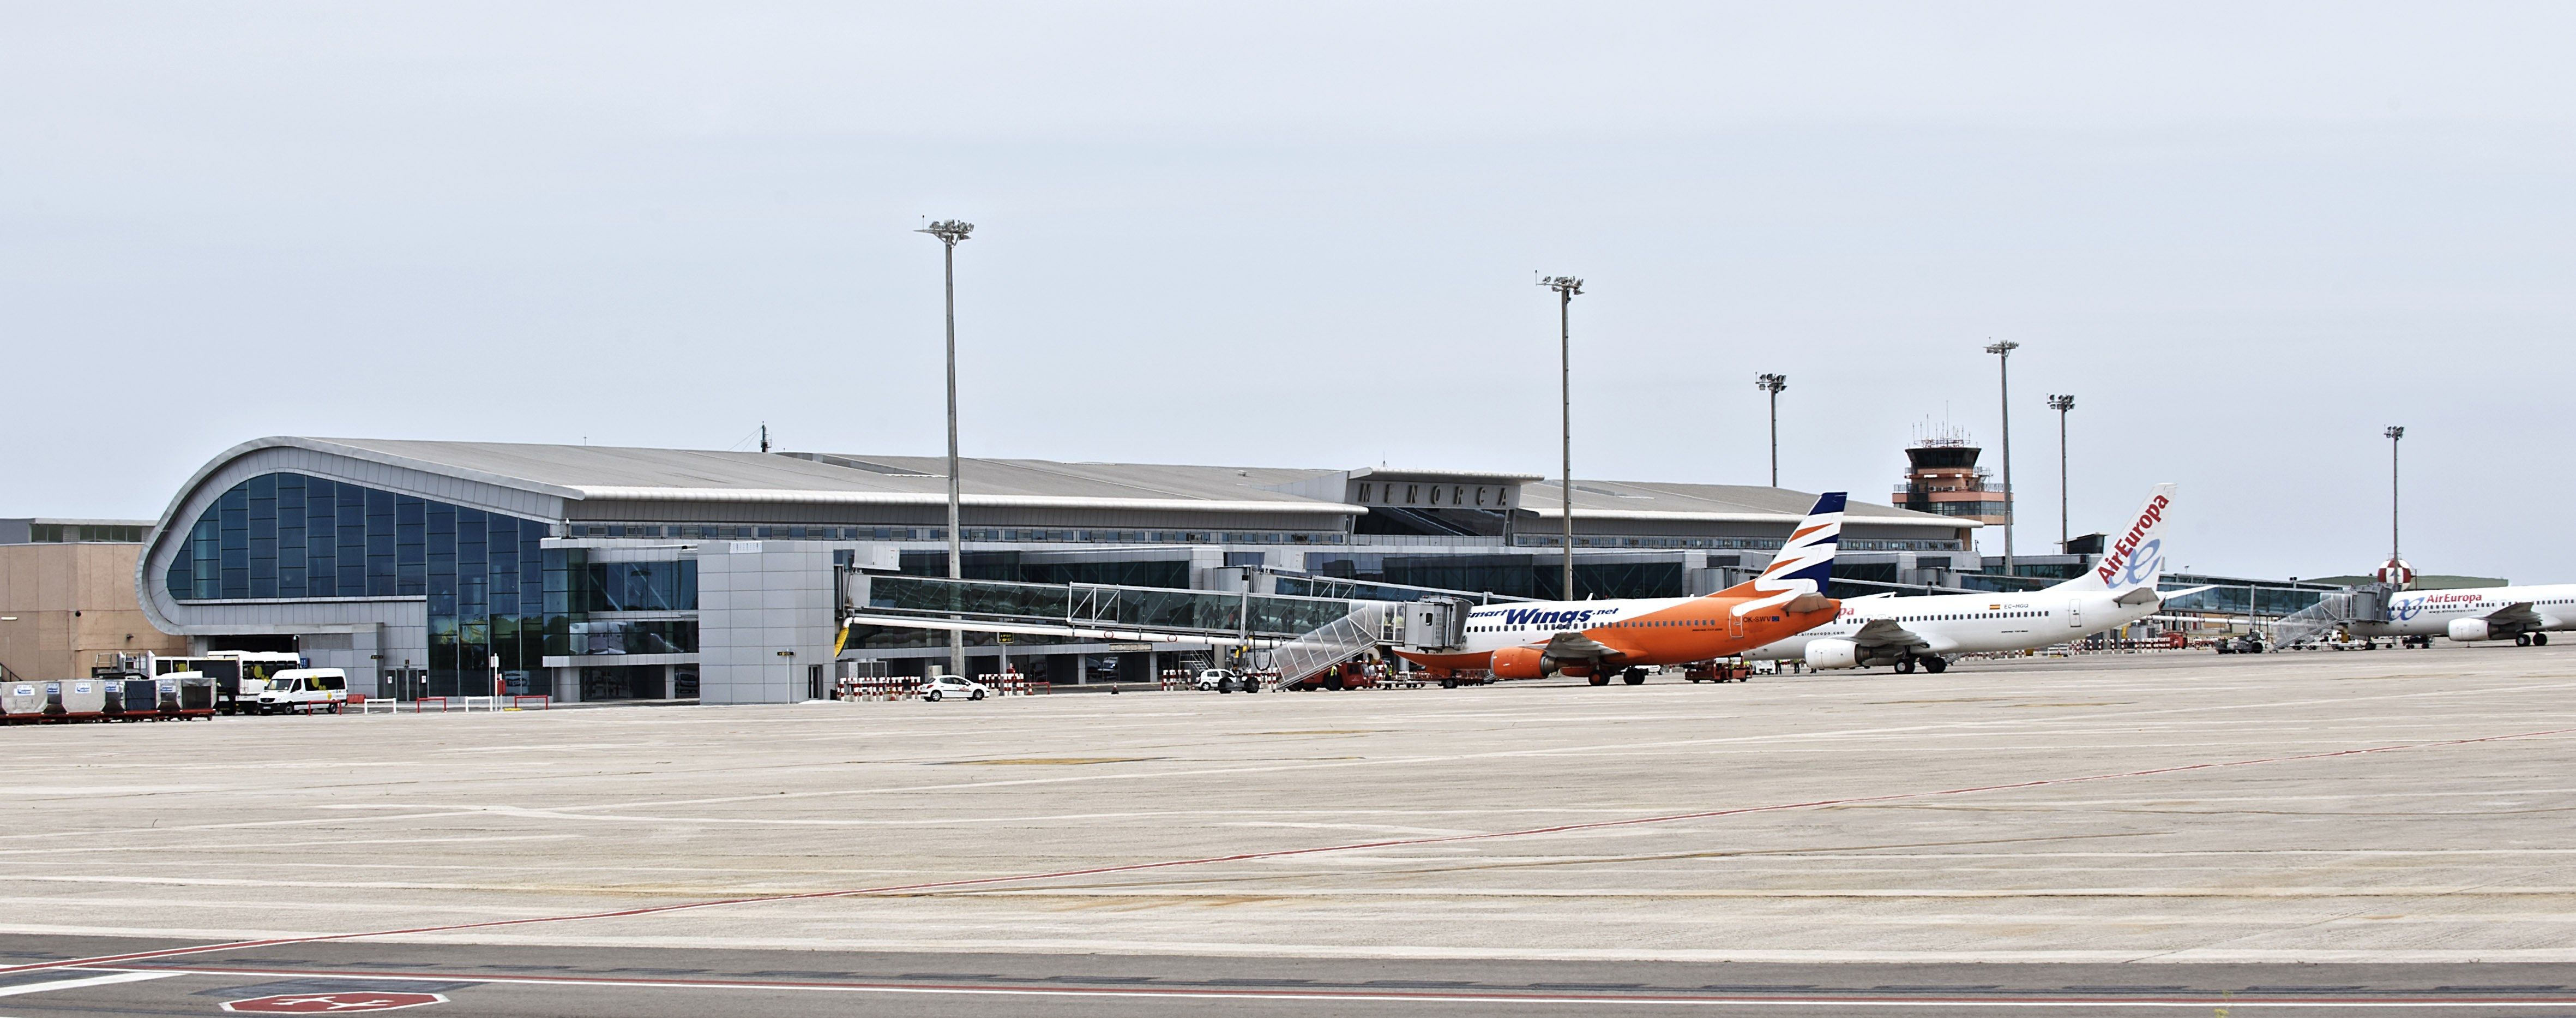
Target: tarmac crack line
(1892,997)
(1285,853)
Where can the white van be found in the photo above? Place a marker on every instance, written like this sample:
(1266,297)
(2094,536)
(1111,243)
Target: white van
(304,690)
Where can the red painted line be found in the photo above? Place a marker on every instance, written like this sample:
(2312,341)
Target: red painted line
(2005,998)
(1284,853)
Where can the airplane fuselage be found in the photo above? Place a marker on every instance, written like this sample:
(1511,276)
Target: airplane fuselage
(1973,623)
(1636,632)
(2431,612)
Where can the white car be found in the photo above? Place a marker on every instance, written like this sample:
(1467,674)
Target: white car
(304,691)
(941,687)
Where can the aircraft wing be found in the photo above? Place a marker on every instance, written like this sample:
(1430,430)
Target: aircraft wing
(1569,646)
(1877,633)
(2515,616)
(2185,592)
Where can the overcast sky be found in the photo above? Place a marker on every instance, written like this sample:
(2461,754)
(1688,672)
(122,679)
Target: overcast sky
(2245,236)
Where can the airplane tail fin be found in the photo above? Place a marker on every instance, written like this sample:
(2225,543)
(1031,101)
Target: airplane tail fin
(2135,558)
(1806,561)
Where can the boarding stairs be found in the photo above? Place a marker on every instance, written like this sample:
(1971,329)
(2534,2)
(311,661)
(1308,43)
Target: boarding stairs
(1314,653)
(2322,619)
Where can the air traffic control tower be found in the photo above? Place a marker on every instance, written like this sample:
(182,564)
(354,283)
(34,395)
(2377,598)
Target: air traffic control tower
(1942,478)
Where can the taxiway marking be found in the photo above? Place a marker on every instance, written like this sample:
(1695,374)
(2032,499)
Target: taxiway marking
(1284,853)
(109,979)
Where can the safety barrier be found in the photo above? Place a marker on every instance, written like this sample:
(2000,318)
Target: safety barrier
(460,703)
(368,706)
(1015,684)
(878,689)
(544,701)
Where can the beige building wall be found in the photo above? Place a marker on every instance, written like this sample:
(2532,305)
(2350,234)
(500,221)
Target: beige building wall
(71,603)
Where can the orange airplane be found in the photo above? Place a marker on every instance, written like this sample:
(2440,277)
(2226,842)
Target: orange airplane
(1528,640)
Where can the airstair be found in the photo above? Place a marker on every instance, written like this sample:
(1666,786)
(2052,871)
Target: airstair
(2329,614)
(1314,653)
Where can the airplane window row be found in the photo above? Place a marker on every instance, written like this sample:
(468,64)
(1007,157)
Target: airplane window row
(1973,615)
(1632,624)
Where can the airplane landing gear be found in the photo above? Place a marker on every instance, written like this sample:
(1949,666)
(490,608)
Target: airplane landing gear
(2522,639)
(1936,665)
(1905,665)
(2540,639)
(1634,676)
(1598,677)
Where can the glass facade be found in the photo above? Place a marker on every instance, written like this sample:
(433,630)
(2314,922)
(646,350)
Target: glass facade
(292,536)
(1208,611)
(1532,576)
(667,636)
(82,533)
(577,588)
(1007,566)
(782,532)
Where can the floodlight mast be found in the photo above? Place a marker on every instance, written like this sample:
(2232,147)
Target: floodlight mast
(2003,363)
(2395,434)
(1772,384)
(950,232)
(1566,287)
(2061,404)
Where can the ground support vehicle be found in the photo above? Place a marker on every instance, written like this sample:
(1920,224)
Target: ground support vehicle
(236,676)
(304,691)
(1225,680)
(1724,670)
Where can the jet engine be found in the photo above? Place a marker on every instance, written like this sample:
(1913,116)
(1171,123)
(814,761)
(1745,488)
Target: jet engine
(1520,663)
(1833,654)
(2466,630)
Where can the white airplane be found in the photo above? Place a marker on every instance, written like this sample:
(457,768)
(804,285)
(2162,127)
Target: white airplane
(1906,631)
(2524,615)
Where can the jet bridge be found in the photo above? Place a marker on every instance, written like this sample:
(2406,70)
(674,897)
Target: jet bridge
(1304,635)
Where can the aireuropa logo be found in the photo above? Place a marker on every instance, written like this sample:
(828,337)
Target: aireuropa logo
(2134,549)
(2144,564)
(2406,610)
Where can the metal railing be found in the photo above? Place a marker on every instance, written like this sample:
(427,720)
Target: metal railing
(2327,615)
(1197,612)
(1316,585)
(1310,654)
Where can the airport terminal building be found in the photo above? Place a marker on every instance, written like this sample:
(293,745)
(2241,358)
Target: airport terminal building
(604,573)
